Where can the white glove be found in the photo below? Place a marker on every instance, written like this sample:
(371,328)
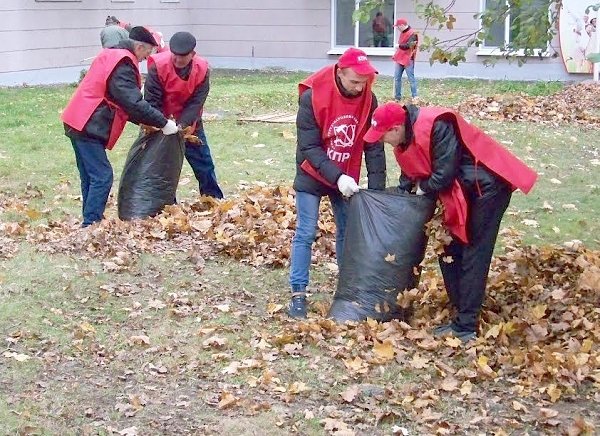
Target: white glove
(419,190)
(347,185)
(170,128)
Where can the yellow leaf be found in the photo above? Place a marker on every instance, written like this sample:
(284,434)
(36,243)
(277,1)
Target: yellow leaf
(384,350)
(494,331)
(539,311)
(33,214)
(554,393)
(482,360)
(274,308)
(453,342)
(297,387)
(519,407)
(586,347)
(354,364)
(466,388)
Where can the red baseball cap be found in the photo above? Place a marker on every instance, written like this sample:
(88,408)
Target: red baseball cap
(384,118)
(401,22)
(357,60)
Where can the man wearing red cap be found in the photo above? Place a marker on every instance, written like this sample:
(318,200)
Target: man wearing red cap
(177,85)
(405,58)
(442,155)
(335,108)
(107,97)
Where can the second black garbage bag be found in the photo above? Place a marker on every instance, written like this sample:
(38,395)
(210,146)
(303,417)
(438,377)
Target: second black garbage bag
(384,245)
(151,175)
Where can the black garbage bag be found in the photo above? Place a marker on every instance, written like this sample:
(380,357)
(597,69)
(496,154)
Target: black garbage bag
(151,175)
(385,243)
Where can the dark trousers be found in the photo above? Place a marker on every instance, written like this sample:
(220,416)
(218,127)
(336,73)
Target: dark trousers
(199,158)
(466,276)
(96,176)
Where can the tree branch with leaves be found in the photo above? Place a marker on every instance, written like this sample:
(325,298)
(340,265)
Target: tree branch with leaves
(532,27)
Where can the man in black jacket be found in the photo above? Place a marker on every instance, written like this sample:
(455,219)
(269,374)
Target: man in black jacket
(443,156)
(178,84)
(108,96)
(335,109)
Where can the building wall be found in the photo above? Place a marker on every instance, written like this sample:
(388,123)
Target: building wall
(50,41)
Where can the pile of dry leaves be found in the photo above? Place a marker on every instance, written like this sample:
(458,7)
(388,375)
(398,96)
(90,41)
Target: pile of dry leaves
(255,227)
(578,103)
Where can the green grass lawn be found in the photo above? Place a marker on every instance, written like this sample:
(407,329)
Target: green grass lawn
(104,356)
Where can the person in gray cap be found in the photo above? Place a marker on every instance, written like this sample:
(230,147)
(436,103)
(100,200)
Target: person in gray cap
(114,32)
(177,84)
(108,96)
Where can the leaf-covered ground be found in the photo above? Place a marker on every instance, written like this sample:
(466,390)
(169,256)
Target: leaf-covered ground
(143,353)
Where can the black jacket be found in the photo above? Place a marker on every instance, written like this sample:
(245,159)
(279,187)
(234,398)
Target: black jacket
(154,92)
(450,159)
(309,147)
(122,89)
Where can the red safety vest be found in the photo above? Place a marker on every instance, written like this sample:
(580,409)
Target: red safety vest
(342,120)
(404,56)
(91,92)
(176,91)
(415,162)
(158,37)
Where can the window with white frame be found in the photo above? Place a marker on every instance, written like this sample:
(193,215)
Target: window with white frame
(377,32)
(503,33)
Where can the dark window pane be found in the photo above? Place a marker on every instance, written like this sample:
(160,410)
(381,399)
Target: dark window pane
(381,32)
(344,27)
(496,31)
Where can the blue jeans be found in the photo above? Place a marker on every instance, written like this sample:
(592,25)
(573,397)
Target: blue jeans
(307,215)
(96,176)
(199,158)
(410,73)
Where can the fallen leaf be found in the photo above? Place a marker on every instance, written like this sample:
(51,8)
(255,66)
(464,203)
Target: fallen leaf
(273,308)
(350,393)
(227,400)
(449,384)
(383,350)
(19,357)
(139,340)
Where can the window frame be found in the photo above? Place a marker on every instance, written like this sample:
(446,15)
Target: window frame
(485,50)
(373,51)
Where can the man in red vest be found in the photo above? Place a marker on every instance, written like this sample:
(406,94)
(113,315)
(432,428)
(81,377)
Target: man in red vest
(442,155)
(405,58)
(177,85)
(96,115)
(335,108)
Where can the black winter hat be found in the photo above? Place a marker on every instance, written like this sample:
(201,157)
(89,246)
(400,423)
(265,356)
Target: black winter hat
(141,34)
(182,43)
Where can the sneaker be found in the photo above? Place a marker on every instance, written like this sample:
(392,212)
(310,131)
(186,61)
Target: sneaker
(465,336)
(297,308)
(443,330)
